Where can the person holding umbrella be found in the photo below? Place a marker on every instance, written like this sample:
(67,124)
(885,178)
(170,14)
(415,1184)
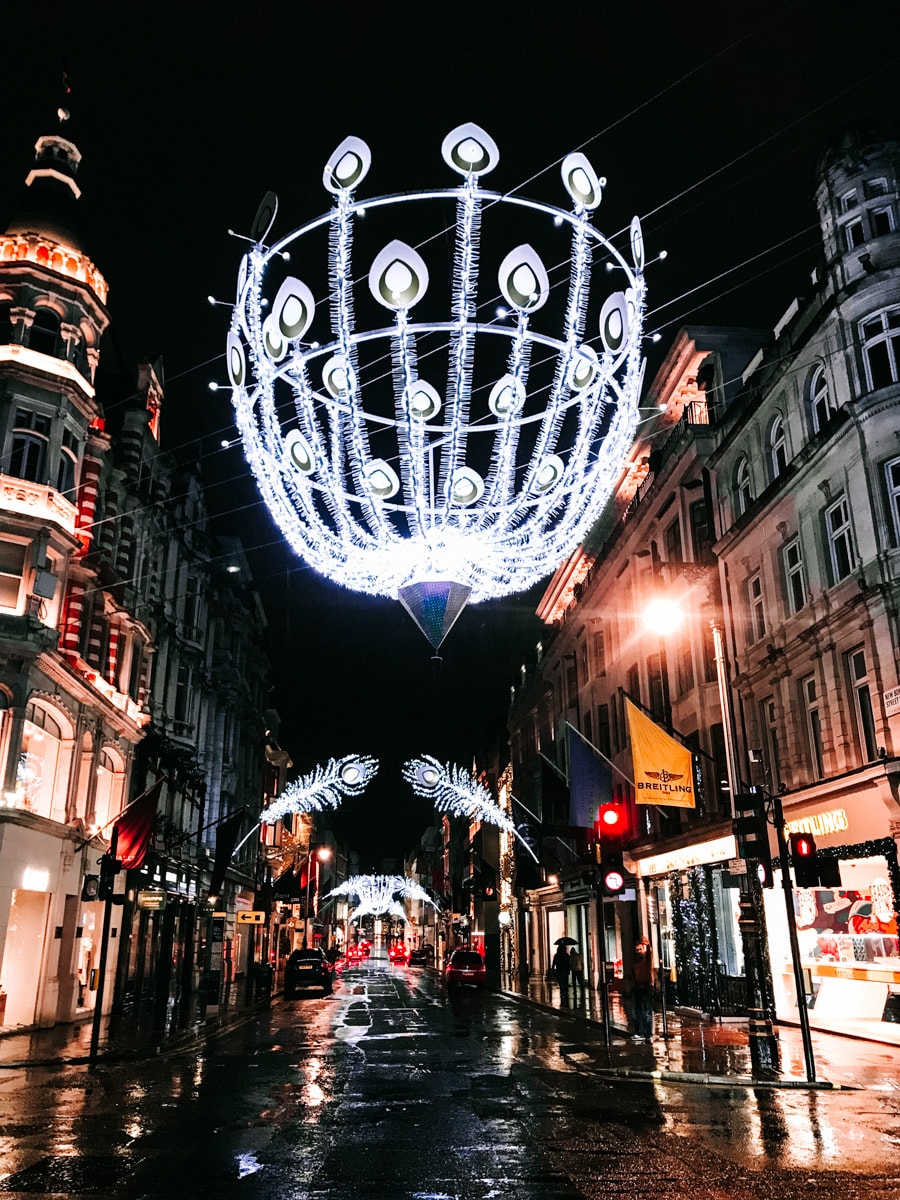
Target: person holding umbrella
(562,964)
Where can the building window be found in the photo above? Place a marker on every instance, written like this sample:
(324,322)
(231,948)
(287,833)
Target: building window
(876,187)
(757,608)
(633,683)
(840,541)
(685,668)
(44,335)
(657,687)
(672,542)
(183,695)
(743,486)
(892,475)
(777,447)
(604,730)
(600,640)
(794,574)
(29,446)
(854,233)
(849,201)
(701,531)
(813,709)
(68,459)
(39,764)
(12,569)
(862,704)
(880,336)
(882,221)
(769,717)
(820,403)
(588,728)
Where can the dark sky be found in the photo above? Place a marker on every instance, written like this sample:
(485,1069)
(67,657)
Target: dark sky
(706,119)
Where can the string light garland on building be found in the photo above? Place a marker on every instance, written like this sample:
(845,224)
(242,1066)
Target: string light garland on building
(444,455)
(380,894)
(453,790)
(324,787)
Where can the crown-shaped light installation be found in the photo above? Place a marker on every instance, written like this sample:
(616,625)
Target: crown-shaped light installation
(455,451)
(379,894)
(324,787)
(453,790)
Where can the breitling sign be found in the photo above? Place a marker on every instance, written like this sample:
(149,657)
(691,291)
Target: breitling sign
(663,768)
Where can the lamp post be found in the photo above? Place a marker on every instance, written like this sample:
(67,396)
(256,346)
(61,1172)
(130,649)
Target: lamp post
(664,616)
(322,854)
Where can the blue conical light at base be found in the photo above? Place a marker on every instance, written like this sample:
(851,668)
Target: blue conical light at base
(434,605)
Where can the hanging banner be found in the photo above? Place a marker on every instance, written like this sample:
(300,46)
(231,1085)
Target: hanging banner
(663,768)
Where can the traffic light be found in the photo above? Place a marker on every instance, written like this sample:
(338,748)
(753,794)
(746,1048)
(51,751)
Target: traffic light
(610,830)
(752,832)
(109,869)
(90,887)
(488,888)
(804,861)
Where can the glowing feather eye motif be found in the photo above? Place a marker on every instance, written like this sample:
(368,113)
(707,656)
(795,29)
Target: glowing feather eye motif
(398,278)
(352,773)
(334,376)
(637,243)
(469,150)
(614,322)
(523,280)
(237,361)
(381,479)
(581,181)
(422,400)
(583,371)
(549,473)
(466,487)
(507,396)
(427,776)
(275,344)
(298,453)
(348,166)
(293,308)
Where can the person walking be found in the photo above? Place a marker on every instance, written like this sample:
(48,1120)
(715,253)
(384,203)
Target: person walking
(562,967)
(642,990)
(576,962)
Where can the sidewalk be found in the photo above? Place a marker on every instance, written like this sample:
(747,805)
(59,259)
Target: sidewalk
(704,1051)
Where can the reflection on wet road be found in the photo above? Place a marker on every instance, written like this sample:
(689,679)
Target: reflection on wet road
(391,1088)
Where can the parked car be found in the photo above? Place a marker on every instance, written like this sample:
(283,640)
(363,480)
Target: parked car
(422,956)
(398,954)
(465,966)
(307,969)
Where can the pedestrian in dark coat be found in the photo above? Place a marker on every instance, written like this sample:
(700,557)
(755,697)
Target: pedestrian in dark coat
(642,990)
(562,966)
(576,962)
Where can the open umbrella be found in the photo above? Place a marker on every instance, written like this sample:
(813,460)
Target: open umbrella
(566,941)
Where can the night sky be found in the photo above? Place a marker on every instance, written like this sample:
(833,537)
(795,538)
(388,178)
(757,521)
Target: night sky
(706,119)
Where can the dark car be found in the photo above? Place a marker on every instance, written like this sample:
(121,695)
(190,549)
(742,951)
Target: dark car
(465,966)
(307,969)
(422,956)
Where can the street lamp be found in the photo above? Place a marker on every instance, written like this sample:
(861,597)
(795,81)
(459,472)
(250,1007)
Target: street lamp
(322,854)
(664,616)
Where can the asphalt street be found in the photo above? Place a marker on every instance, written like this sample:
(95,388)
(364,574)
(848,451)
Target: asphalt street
(393,1088)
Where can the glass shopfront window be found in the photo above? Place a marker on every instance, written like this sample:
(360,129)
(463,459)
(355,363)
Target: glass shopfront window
(849,951)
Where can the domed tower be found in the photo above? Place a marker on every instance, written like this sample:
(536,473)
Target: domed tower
(857,198)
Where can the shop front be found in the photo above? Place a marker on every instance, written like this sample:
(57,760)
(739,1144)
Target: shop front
(692,909)
(847,931)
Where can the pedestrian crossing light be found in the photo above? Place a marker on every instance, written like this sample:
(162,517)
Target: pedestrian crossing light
(804,860)
(610,830)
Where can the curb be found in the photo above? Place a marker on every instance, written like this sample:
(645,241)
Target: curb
(661,1076)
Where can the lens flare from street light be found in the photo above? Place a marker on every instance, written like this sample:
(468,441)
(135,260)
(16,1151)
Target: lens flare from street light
(663,615)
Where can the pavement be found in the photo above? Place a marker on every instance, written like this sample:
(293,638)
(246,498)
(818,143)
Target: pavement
(689,1048)
(686,1047)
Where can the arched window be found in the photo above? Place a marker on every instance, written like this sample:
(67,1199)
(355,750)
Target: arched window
(743,486)
(109,791)
(777,447)
(28,459)
(68,460)
(40,782)
(44,336)
(820,403)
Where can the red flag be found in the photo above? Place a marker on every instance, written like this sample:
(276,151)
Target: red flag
(134,827)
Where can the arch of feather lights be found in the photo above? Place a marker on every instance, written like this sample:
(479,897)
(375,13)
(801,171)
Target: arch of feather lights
(438,438)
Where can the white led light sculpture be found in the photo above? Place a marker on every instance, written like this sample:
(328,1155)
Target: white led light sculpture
(445,454)
(324,787)
(453,790)
(378,894)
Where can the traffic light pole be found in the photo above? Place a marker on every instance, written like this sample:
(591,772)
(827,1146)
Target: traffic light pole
(802,1011)
(104,950)
(604,982)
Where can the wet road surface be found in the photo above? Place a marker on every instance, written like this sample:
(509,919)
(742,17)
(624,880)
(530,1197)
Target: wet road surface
(393,1088)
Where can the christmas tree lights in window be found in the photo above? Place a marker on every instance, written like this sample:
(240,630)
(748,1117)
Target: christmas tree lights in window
(411,438)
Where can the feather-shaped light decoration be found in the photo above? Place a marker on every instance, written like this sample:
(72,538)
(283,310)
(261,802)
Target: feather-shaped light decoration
(379,894)
(324,787)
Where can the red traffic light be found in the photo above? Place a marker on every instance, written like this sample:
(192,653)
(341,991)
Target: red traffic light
(803,846)
(611,820)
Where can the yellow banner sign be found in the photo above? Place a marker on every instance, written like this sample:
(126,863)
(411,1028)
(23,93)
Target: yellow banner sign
(663,768)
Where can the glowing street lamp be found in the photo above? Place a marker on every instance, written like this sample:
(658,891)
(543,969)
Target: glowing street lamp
(438,453)
(322,854)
